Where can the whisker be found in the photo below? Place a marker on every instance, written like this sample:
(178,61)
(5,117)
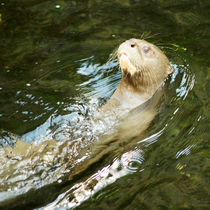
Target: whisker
(147,35)
(113,55)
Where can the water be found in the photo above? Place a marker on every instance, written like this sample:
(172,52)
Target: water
(54,76)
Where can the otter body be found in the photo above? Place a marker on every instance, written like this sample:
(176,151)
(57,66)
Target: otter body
(144,68)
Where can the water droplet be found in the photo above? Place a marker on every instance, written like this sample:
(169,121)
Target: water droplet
(57,6)
(28,84)
(18,92)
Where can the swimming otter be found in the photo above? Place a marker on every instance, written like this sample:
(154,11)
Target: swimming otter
(144,68)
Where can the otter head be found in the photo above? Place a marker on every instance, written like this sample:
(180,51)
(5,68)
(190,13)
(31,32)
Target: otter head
(143,64)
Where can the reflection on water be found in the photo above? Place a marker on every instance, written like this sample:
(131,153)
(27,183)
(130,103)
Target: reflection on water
(53,79)
(129,162)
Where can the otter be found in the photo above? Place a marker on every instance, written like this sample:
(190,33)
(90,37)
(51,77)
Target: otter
(144,68)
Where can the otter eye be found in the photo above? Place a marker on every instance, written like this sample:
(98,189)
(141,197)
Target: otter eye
(146,48)
(132,45)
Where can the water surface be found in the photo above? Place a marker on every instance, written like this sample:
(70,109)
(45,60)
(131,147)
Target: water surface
(54,75)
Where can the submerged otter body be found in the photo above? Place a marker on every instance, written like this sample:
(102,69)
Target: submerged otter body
(144,68)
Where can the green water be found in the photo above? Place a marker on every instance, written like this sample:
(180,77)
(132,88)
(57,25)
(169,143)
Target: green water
(54,74)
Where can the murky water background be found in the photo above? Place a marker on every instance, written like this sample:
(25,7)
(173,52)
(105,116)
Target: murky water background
(54,75)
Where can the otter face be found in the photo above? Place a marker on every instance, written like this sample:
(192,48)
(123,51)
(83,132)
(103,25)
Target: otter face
(141,57)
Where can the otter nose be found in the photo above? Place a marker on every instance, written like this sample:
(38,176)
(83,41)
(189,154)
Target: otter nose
(122,52)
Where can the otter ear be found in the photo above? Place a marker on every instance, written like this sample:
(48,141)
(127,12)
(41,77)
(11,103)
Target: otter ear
(170,69)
